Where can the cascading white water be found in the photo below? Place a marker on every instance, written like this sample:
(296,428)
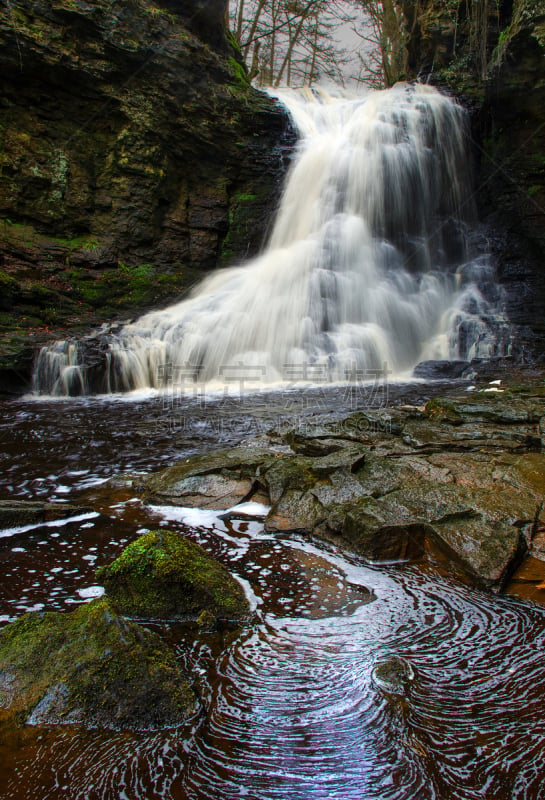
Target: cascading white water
(367,264)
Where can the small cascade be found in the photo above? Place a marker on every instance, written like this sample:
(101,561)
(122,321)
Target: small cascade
(370,264)
(59,368)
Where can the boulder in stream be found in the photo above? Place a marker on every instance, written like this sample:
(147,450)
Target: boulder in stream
(393,675)
(93,667)
(162,575)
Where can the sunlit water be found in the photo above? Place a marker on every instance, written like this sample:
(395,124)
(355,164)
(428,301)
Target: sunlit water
(289,710)
(372,260)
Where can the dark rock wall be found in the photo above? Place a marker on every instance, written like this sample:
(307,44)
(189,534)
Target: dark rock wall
(129,138)
(496,65)
(513,166)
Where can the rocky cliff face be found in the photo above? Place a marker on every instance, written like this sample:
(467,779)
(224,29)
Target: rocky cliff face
(513,165)
(492,55)
(134,156)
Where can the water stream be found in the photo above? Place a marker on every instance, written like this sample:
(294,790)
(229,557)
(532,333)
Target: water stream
(290,710)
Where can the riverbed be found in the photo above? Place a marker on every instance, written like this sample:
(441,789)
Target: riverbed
(290,709)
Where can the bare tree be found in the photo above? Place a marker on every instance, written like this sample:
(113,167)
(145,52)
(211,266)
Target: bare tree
(289,42)
(383,32)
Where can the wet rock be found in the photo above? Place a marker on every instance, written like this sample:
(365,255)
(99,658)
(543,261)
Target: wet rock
(393,676)
(216,480)
(492,405)
(161,575)
(17,513)
(93,667)
(292,473)
(489,549)
(341,487)
(383,532)
(301,488)
(311,446)
(526,472)
(295,511)
(210,491)
(466,474)
(441,370)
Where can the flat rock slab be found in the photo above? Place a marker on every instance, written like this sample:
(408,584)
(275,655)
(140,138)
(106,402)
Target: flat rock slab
(465,473)
(209,491)
(215,480)
(17,513)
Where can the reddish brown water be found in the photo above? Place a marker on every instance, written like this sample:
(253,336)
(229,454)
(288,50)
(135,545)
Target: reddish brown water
(290,710)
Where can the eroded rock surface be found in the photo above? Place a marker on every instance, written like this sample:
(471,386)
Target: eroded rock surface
(466,474)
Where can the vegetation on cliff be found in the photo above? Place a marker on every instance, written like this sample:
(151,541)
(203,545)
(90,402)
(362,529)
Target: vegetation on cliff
(491,53)
(129,134)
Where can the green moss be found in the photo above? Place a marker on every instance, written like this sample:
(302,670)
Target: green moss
(7,282)
(239,72)
(10,291)
(245,197)
(90,245)
(442,410)
(242,218)
(234,44)
(128,286)
(72,244)
(163,576)
(289,473)
(110,671)
(158,13)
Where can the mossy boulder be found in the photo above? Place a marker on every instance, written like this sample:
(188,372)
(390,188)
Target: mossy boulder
(91,666)
(162,575)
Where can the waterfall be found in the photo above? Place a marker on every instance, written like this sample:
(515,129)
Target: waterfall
(369,263)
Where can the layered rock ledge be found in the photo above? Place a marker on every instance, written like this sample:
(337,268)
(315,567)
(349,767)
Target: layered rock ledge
(465,474)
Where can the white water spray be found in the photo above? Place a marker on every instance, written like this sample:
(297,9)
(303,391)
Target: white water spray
(367,264)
